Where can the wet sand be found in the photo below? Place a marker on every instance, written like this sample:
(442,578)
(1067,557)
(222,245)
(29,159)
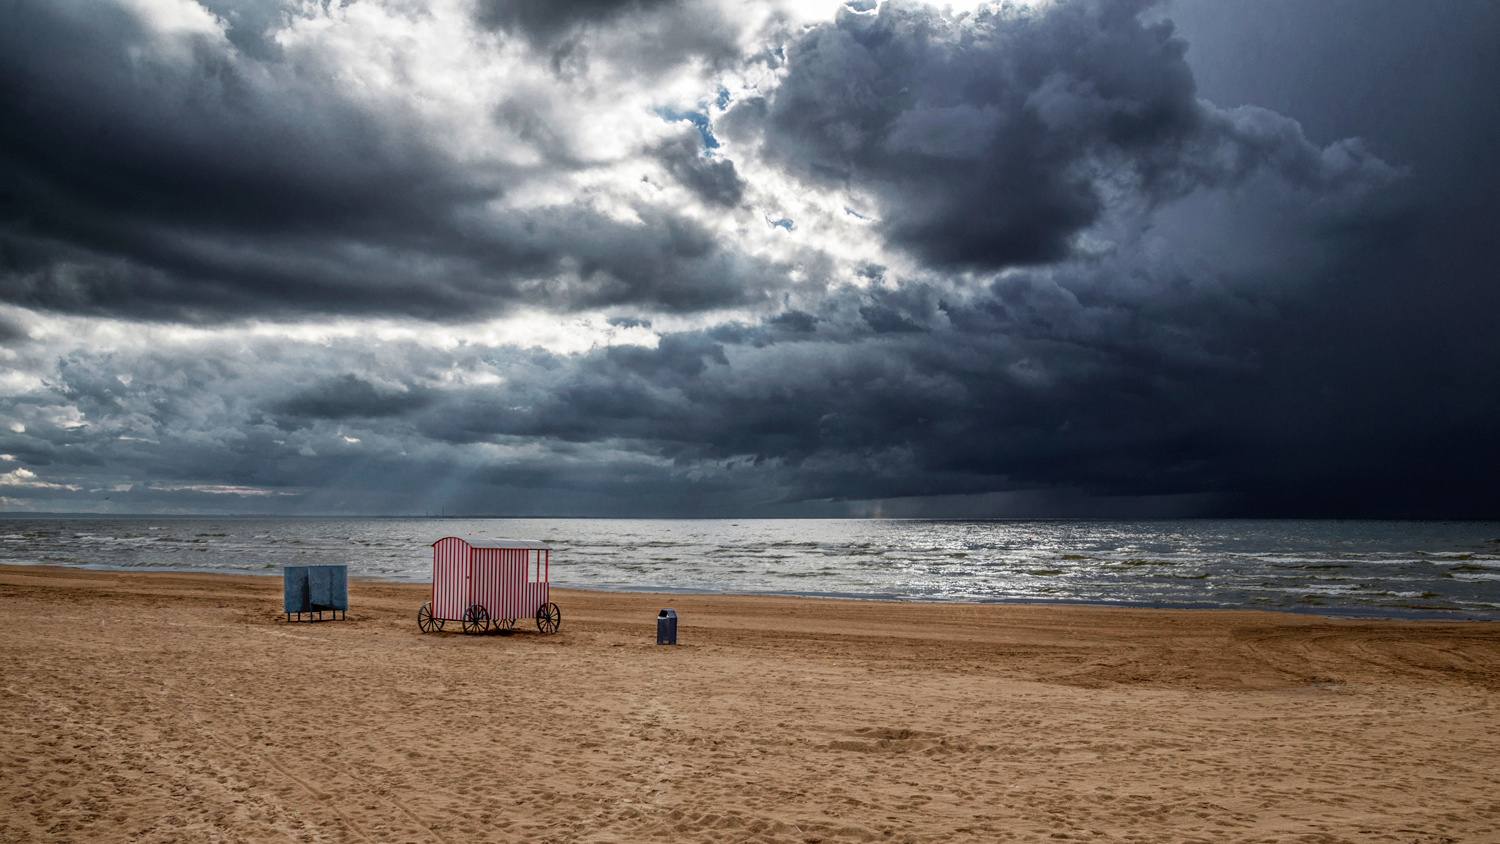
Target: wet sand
(164,707)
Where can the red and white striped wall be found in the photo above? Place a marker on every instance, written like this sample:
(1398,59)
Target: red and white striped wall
(509,578)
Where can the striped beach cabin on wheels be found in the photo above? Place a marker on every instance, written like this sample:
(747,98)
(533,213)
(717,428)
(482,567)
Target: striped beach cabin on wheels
(489,584)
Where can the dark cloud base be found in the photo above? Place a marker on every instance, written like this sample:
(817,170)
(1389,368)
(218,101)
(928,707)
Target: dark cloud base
(1008,410)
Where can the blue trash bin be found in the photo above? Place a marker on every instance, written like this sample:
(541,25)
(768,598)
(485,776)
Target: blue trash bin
(666,627)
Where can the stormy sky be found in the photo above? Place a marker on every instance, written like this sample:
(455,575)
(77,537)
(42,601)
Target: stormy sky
(714,258)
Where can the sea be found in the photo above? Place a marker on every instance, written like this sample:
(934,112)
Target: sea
(1408,569)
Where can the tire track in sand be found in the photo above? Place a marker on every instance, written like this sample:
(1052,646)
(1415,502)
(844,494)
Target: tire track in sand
(1364,653)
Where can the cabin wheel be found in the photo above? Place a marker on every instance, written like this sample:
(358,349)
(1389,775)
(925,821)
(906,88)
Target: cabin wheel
(548,618)
(476,619)
(425,622)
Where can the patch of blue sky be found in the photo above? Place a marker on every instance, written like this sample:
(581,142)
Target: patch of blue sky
(698,119)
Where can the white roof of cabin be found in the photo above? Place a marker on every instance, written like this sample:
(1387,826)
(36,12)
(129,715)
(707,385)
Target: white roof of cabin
(486,542)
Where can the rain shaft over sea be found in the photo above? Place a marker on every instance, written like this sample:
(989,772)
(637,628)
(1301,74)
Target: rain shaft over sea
(1417,569)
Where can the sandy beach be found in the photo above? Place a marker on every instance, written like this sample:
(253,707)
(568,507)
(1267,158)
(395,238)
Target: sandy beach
(149,707)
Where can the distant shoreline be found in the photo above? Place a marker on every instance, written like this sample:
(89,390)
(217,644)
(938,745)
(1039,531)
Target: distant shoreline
(1373,614)
(996,519)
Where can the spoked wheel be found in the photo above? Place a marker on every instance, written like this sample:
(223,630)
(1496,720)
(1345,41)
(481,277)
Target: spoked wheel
(548,618)
(505,623)
(476,619)
(425,622)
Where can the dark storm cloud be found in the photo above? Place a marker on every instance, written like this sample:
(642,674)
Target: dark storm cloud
(11,333)
(991,140)
(347,397)
(91,134)
(546,19)
(713,180)
(1380,385)
(795,321)
(197,181)
(1005,400)
(639,37)
(145,188)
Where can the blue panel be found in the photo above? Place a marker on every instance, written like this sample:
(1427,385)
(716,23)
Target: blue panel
(338,587)
(328,587)
(319,587)
(294,589)
(341,586)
